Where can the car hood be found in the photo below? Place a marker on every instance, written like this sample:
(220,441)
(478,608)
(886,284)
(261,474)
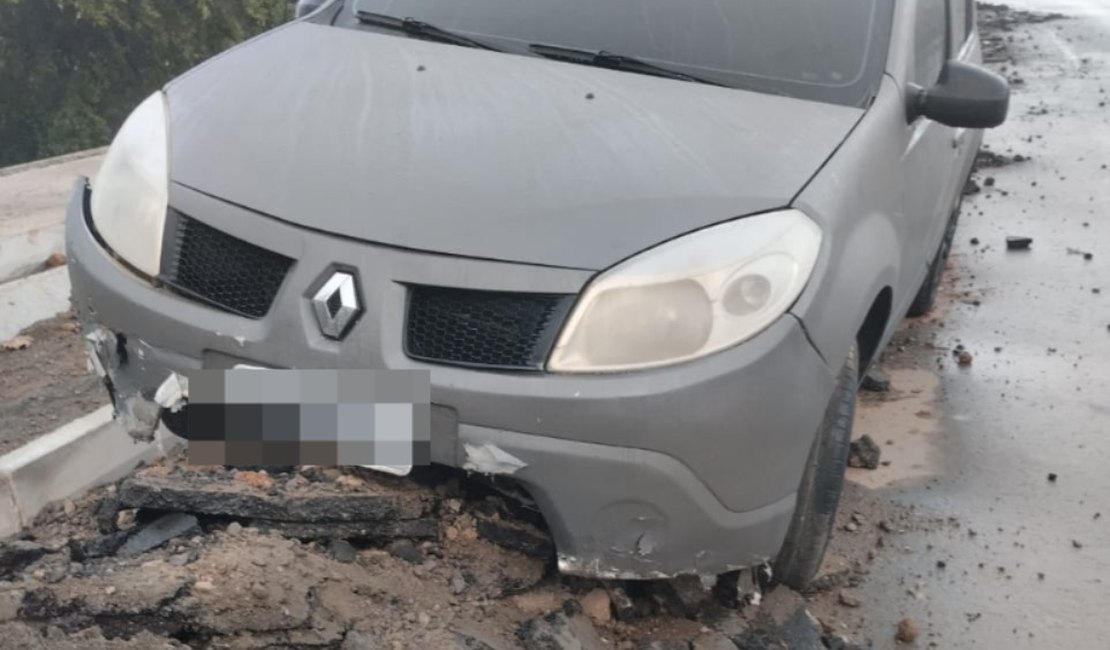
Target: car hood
(466,152)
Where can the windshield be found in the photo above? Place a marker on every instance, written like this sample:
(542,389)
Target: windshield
(825,50)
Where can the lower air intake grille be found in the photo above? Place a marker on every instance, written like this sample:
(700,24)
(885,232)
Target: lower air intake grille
(223,271)
(489,329)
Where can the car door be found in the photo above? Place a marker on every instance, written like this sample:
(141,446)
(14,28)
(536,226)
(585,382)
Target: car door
(930,160)
(965,47)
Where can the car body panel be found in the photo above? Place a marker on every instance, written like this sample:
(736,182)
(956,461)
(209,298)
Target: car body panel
(672,405)
(666,452)
(482,154)
(859,196)
(887,194)
(409,162)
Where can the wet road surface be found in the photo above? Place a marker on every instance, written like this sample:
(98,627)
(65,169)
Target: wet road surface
(1025,559)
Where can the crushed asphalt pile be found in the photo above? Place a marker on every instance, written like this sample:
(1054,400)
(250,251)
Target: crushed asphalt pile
(187,557)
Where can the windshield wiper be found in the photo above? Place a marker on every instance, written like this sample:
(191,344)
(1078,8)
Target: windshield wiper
(418,28)
(605,59)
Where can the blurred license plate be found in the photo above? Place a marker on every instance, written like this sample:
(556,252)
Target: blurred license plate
(250,415)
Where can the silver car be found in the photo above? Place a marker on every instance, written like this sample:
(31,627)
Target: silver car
(644,250)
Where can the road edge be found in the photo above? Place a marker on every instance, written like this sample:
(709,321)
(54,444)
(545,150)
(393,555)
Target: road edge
(89,451)
(46,162)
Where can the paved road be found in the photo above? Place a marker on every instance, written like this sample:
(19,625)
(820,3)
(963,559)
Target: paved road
(1040,405)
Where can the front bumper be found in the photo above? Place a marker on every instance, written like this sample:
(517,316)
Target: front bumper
(688,469)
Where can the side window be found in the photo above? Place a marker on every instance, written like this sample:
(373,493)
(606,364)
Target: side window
(930,41)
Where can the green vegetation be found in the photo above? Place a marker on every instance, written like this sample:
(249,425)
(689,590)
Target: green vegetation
(72,70)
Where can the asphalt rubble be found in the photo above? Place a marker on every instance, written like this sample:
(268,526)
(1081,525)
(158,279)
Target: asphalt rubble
(179,556)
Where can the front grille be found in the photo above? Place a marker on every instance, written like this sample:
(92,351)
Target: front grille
(489,329)
(221,270)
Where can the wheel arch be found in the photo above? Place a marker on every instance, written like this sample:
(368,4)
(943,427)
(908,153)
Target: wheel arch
(870,335)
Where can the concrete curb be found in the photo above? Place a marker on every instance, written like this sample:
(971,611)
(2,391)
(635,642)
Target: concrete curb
(56,160)
(28,300)
(87,452)
(24,253)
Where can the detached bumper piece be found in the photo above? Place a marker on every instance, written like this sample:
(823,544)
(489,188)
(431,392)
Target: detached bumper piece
(138,404)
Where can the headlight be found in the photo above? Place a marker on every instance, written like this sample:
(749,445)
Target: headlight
(691,296)
(130,193)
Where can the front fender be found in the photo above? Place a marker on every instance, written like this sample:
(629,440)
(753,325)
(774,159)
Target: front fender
(857,200)
(852,274)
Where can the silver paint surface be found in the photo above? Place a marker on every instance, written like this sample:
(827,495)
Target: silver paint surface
(483,154)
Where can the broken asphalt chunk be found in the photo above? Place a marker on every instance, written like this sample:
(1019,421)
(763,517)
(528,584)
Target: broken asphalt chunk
(105,514)
(16,555)
(367,531)
(210,497)
(407,551)
(341,551)
(103,546)
(799,632)
(158,532)
(682,596)
(623,605)
(517,538)
(865,453)
(1016,243)
(560,631)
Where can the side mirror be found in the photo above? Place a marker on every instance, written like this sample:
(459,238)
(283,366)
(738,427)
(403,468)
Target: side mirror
(966,96)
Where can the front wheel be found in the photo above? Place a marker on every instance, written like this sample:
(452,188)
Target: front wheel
(819,495)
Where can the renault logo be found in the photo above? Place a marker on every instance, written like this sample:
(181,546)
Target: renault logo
(337,305)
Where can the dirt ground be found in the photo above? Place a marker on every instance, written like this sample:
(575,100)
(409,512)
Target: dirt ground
(448,561)
(45,384)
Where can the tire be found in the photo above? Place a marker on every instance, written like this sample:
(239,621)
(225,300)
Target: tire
(819,495)
(927,295)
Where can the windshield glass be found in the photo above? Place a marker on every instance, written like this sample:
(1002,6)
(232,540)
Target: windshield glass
(825,50)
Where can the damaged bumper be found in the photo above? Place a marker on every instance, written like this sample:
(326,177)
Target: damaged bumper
(138,406)
(691,469)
